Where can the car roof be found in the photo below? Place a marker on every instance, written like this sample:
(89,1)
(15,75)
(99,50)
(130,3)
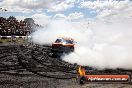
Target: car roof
(66,38)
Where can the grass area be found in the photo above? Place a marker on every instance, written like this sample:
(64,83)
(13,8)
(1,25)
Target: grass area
(9,40)
(5,40)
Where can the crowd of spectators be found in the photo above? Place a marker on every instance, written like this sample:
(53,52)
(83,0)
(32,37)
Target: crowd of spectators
(12,27)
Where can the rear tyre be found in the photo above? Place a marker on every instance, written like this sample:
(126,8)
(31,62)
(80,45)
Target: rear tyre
(54,55)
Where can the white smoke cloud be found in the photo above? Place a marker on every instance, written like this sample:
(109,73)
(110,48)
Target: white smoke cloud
(106,46)
(103,43)
(41,18)
(55,29)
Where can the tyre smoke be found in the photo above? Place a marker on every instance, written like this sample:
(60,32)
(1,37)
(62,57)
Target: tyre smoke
(103,43)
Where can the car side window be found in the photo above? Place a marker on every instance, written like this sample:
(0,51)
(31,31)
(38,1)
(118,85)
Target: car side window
(69,42)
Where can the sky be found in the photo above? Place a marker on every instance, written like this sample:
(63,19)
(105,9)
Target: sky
(70,10)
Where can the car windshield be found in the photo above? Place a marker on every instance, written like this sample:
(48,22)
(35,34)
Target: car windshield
(64,41)
(58,41)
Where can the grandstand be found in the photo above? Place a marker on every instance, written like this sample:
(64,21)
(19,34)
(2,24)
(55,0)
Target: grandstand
(12,29)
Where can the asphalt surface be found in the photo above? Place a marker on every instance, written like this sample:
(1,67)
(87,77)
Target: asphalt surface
(31,66)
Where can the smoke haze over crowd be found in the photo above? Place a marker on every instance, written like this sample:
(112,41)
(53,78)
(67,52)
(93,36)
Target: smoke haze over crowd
(102,43)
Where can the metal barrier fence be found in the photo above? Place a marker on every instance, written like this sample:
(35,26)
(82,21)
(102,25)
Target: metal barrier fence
(6,37)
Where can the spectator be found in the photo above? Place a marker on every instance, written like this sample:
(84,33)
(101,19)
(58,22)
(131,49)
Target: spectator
(12,27)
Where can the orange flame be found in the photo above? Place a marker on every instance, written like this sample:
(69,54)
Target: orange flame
(81,71)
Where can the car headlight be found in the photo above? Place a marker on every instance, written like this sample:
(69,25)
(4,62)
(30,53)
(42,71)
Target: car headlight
(64,43)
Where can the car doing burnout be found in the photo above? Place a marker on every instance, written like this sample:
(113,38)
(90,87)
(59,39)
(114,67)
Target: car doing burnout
(62,45)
